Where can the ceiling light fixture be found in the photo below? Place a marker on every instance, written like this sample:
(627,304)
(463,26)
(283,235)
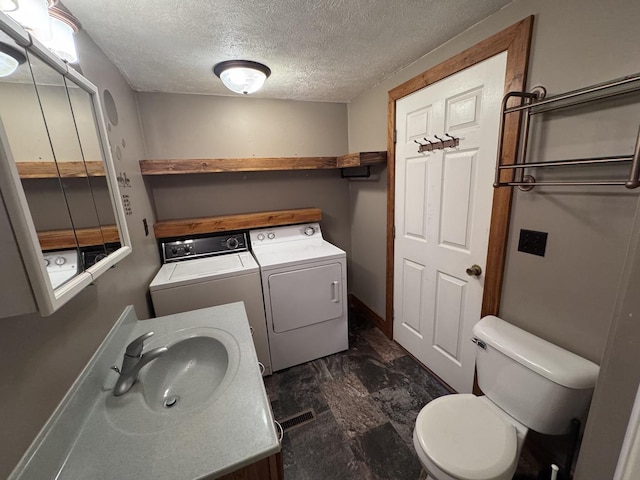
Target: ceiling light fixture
(63,27)
(8,5)
(10,58)
(242,76)
(31,14)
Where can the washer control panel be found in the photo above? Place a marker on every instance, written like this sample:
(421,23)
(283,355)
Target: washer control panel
(203,247)
(61,266)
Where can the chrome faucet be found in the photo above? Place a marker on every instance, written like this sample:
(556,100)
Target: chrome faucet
(132,363)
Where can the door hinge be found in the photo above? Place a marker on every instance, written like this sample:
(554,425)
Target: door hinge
(395,136)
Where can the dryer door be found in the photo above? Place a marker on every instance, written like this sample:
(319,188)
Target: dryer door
(306,296)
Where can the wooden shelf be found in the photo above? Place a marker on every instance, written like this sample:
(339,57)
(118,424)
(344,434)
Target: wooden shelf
(67,169)
(243,221)
(361,159)
(87,237)
(217,165)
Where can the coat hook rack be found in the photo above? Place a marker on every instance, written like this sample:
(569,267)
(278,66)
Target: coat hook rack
(439,144)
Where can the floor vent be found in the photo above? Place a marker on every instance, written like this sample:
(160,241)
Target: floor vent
(297,420)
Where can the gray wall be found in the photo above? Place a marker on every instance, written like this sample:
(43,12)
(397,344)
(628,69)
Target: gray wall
(619,374)
(567,297)
(196,126)
(41,357)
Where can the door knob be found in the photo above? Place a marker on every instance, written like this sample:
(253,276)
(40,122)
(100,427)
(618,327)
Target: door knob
(474,271)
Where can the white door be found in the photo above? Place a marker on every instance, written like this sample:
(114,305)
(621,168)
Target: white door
(442,216)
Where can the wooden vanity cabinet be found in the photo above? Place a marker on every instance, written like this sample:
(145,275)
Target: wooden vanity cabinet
(269,468)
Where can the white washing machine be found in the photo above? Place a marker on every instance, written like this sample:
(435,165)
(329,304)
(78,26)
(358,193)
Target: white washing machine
(62,265)
(304,280)
(204,272)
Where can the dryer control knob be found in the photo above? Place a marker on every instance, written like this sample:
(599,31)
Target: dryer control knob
(309,231)
(61,261)
(261,236)
(271,236)
(232,243)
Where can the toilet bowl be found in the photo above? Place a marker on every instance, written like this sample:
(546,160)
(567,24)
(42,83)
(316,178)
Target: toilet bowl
(465,437)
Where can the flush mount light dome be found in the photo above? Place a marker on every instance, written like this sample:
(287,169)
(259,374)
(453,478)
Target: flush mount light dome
(10,58)
(8,5)
(63,27)
(31,14)
(242,76)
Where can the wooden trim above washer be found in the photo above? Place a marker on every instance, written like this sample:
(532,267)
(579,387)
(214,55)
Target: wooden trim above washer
(241,221)
(516,41)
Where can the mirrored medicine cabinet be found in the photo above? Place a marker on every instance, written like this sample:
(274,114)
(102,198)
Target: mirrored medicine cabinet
(57,179)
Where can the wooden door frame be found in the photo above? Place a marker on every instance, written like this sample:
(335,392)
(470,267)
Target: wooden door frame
(515,40)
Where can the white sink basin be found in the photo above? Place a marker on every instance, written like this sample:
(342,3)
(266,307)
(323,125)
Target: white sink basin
(189,374)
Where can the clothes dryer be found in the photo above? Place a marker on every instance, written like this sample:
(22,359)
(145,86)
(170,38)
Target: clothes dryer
(304,282)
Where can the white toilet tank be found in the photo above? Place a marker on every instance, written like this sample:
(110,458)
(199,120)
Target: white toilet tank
(538,383)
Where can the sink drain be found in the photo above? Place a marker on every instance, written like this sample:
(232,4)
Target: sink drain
(170,401)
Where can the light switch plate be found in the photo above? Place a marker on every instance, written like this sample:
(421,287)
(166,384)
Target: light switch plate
(533,242)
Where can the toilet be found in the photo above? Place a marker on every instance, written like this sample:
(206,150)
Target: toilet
(528,383)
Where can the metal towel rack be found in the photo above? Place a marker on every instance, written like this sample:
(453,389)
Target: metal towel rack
(533,103)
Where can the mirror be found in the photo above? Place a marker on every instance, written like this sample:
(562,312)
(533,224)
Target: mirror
(31,140)
(89,137)
(67,215)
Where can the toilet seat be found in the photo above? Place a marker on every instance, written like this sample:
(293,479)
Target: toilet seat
(467,439)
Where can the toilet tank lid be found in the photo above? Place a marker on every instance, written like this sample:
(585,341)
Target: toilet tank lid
(549,360)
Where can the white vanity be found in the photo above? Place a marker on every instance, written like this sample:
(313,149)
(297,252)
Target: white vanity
(199,410)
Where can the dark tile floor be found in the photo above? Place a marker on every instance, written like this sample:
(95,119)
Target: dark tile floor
(366,401)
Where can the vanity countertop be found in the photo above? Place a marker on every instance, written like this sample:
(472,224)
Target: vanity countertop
(107,437)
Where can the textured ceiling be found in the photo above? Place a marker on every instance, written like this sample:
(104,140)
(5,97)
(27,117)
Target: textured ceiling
(322,50)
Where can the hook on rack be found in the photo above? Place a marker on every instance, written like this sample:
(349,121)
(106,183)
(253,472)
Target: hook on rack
(441,144)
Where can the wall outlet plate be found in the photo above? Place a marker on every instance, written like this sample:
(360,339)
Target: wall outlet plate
(533,242)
